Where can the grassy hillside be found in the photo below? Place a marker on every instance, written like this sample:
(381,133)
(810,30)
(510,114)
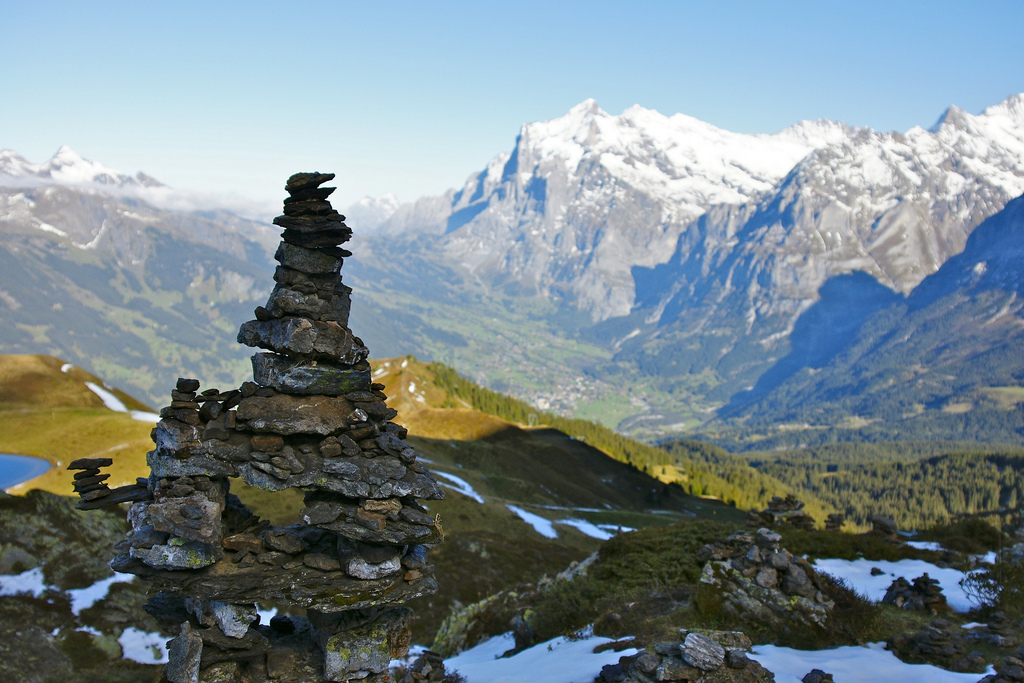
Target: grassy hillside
(47,411)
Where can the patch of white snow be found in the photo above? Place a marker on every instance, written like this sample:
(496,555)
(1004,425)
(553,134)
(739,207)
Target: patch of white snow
(857,574)
(585,527)
(29,582)
(852,664)
(84,598)
(459,485)
(556,661)
(109,400)
(542,526)
(143,647)
(925,545)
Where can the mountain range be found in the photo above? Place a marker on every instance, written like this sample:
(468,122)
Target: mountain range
(654,272)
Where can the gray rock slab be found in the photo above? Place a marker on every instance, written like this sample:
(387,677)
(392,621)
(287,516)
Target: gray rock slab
(292,376)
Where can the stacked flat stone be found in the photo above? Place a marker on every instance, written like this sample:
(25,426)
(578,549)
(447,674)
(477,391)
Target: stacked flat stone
(1010,670)
(313,420)
(782,510)
(999,631)
(924,593)
(883,526)
(697,657)
(835,521)
(90,484)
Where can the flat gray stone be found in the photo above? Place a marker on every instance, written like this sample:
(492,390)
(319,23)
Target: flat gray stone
(302,377)
(702,652)
(361,569)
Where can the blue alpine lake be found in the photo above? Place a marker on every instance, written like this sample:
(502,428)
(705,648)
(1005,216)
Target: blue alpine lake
(15,469)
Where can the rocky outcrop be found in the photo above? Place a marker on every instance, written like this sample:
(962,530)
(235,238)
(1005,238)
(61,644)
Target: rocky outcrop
(750,578)
(697,657)
(310,419)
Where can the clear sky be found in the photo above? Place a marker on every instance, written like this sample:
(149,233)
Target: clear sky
(412,97)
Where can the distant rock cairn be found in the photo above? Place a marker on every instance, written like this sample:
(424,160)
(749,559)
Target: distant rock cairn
(312,420)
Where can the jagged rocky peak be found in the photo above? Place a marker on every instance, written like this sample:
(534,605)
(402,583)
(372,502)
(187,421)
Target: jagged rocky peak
(313,420)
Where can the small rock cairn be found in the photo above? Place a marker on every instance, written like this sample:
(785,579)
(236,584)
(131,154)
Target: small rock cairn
(698,657)
(313,420)
(749,577)
(788,510)
(938,642)
(835,521)
(924,593)
(1010,670)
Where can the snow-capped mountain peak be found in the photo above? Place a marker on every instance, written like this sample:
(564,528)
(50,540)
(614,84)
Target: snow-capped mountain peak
(585,198)
(67,167)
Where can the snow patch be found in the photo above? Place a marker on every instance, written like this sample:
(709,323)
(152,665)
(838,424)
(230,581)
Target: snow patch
(143,647)
(585,527)
(557,661)
(459,485)
(29,582)
(542,526)
(852,664)
(926,545)
(857,574)
(84,598)
(66,368)
(109,400)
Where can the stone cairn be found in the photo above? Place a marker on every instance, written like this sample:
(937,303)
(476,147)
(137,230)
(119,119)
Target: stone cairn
(938,642)
(749,577)
(780,510)
(924,593)
(311,420)
(999,631)
(883,526)
(835,521)
(697,657)
(1010,670)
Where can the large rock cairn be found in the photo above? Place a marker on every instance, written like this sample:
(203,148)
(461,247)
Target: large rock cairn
(311,420)
(697,657)
(749,577)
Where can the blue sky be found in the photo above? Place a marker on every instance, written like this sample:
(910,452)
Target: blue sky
(412,97)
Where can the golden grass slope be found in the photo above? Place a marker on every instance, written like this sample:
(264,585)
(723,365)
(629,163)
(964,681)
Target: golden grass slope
(47,411)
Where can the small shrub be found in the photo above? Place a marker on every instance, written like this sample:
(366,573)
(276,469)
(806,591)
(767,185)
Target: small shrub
(1001,585)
